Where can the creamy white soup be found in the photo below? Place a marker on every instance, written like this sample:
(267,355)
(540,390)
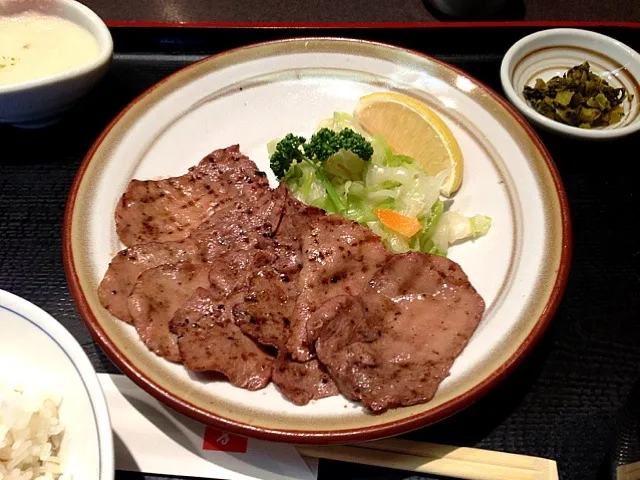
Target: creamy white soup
(34,45)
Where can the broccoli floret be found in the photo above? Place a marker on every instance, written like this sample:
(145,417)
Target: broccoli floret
(356,143)
(325,142)
(322,145)
(287,150)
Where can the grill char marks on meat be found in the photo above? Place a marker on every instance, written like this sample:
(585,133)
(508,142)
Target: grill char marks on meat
(157,294)
(302,382)
(127,265)
(259,285)
(254,294)
(231,273)
(264,311)
(169,209)
(241,224)
(338,257)
(295,225)
(393,345)
(210,341)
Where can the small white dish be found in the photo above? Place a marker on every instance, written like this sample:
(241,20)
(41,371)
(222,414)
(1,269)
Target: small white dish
(41,101)
(548,53)
(39,353)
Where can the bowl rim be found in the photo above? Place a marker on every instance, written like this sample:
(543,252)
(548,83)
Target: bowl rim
(58,333)
(105,42)
(519,49)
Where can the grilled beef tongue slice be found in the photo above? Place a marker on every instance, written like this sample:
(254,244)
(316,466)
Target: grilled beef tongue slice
(209,340)
(338,257)
(302,382)
(169,209)
(156,296)
(394,344)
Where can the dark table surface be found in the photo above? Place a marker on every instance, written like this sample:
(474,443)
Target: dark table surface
(350,10)
(561,403)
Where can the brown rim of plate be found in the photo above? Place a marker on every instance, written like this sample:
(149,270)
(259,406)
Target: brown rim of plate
(348,435)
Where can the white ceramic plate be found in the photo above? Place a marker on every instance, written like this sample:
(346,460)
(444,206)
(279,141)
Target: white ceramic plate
(43,356)
(251,95)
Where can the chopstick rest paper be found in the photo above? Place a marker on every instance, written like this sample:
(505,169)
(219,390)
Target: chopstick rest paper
(152,438)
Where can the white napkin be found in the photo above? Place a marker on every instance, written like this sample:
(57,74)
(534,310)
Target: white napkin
(152,438)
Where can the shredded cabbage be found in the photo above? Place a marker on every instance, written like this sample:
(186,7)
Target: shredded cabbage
(389,181)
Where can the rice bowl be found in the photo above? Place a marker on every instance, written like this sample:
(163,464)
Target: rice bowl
(54,422)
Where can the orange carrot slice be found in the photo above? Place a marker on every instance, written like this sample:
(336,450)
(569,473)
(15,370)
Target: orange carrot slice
(397,222)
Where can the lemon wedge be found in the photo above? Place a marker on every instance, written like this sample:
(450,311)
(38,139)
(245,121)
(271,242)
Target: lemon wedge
(413,129)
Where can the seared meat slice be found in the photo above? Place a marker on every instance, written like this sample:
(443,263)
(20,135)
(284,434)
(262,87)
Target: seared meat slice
(339,258)
(231,273)
(261,284)
(302,382)
(239,225)
(169,209)
(295,225)
(127,265)
(210,341)
(243,224)
(156,296)
(259,298)
(264,309)
(393,345)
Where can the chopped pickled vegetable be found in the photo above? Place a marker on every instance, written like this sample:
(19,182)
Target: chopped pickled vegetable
(579,98)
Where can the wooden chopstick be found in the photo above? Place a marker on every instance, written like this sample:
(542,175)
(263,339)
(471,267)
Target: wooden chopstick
(456,462)
(630,471)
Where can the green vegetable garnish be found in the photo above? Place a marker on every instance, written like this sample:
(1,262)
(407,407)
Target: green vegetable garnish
(579,98)
(343,171)
(323,145)
(287,150)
